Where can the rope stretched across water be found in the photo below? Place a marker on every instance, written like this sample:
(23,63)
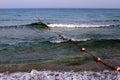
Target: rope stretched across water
(63,37)
(97,59)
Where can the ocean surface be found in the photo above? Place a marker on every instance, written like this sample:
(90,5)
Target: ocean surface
(24,45)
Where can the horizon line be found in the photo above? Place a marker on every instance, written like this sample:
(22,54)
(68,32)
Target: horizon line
(57,8)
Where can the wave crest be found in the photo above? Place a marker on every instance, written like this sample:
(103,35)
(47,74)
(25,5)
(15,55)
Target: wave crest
(37,25)
(76,40)
(76,26)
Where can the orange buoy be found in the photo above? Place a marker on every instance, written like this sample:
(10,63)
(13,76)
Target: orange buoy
(117,68)
(82,49)
(98,59)
(72,40)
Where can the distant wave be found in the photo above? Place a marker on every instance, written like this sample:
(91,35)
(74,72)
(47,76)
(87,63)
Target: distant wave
(82,40)
(77,26)
(15,26)
(32,25)
(113,20)
(53,42)
(37,25)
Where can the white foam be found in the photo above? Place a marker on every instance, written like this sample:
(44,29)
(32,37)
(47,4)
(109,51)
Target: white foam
(86,39)
(75,26)
(57,41)
(60,41)
(55,75)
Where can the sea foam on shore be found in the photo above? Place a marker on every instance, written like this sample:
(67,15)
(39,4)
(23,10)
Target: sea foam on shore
(56,75)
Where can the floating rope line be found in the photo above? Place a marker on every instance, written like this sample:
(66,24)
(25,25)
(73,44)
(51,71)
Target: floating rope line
(83,50)
(63,37)
(42,23)
(97,59)
(108,65)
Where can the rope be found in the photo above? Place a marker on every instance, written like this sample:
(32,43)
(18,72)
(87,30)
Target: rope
(97,59)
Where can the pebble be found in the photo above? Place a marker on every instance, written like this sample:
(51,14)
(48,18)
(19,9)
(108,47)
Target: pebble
(55,75)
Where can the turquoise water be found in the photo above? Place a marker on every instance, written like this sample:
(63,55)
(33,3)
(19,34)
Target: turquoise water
(22,44)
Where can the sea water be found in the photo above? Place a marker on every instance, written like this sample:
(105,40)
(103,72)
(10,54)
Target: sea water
(26,45)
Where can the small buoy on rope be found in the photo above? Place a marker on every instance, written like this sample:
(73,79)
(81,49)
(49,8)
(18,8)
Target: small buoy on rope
(117,68)
(98,59)
(82,49)
(72,40)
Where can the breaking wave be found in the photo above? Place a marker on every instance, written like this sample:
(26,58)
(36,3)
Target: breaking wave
(37,25)
(76,40)
(78,26)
